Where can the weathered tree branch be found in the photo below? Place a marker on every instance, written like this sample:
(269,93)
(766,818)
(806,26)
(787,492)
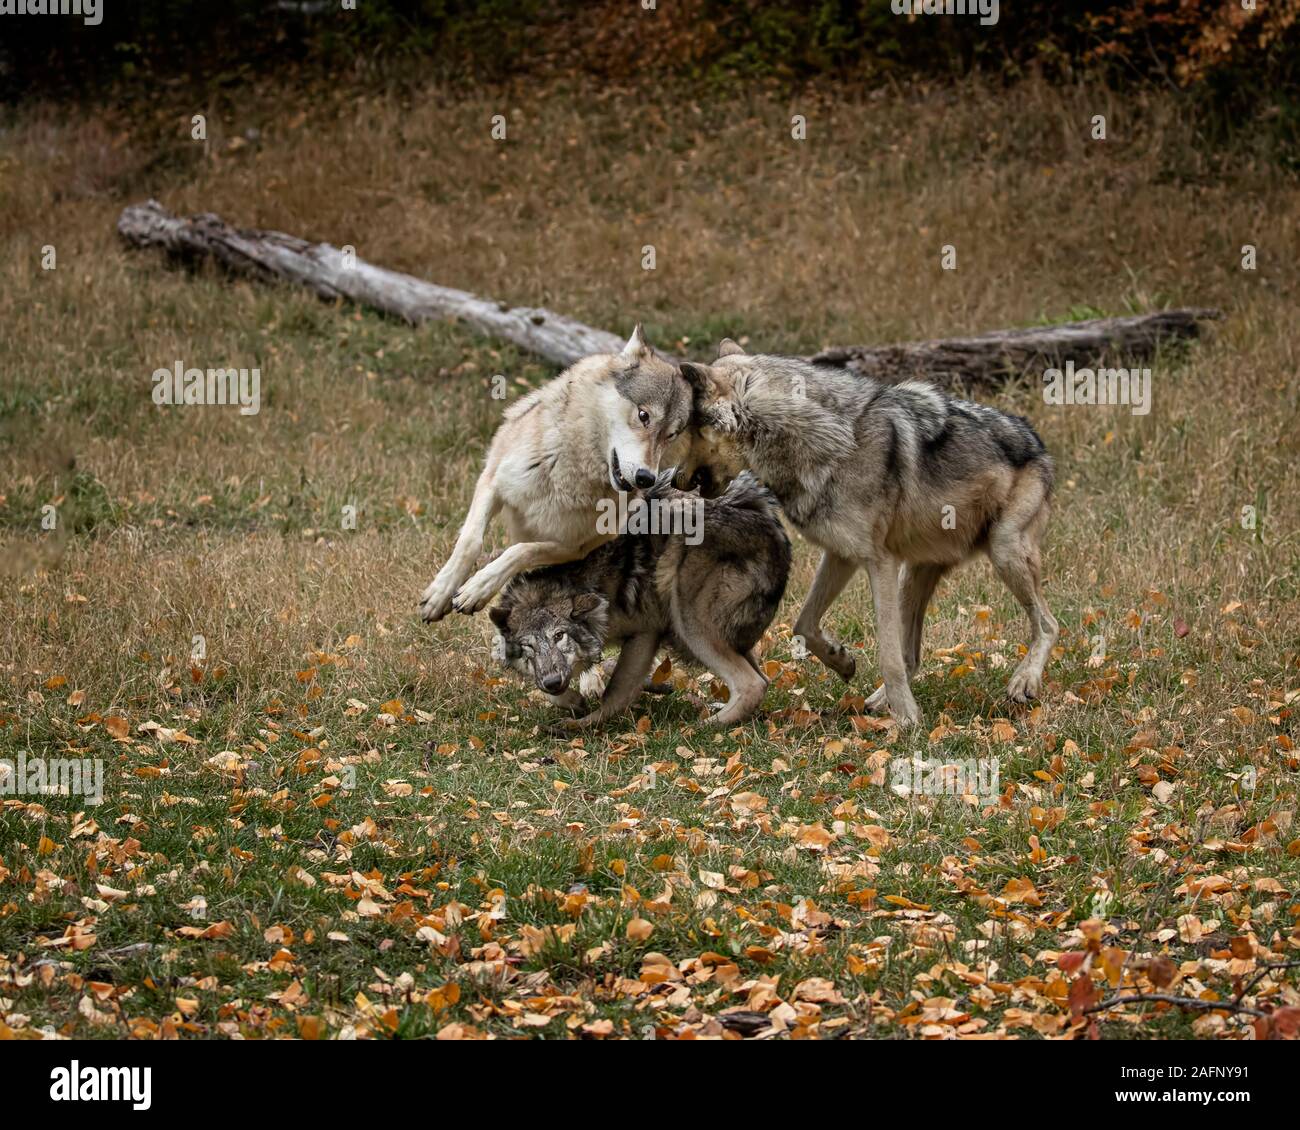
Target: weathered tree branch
(329,273)
(325,270)
(1193,1003)
(988,357)
(1233,1006)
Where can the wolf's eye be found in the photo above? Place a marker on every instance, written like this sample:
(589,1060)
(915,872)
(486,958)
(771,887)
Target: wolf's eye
(643,416)
(559,636)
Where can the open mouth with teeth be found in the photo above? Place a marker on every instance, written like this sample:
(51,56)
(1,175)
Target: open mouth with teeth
(616,474)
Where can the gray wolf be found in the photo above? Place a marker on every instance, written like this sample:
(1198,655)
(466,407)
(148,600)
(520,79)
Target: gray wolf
(902,479)
(711,601)
(562,454)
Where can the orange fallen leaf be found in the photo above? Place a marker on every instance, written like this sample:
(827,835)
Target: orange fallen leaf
(1021,890)
(221,929)
(638,930)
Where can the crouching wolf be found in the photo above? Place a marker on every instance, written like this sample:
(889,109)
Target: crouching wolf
(900,478)
(562,452)
(711,601)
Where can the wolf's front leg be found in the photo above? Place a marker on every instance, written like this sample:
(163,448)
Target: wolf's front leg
(883,571)
(634,664)
(832,575)
(435,602)
(477,592)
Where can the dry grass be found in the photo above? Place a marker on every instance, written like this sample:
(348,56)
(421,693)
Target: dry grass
(176,523)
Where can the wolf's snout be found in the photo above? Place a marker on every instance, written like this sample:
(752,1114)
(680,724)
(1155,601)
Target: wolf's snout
(553,684)
(644,478)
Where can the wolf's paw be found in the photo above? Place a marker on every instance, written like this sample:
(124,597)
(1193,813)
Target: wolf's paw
(567,727)
(563,727)
(1023,686)
(591,683)
(435,601)
(476,593)
(732,713)
(841,662)
(877,701)
(907,716)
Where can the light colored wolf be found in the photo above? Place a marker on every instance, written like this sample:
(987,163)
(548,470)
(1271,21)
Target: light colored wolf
(600,428)
(711,600)
(901,479)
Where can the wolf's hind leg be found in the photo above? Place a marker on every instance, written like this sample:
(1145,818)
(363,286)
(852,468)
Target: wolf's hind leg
(1013,550)
(699,634)
(916,584)
(746,685)
(832,575)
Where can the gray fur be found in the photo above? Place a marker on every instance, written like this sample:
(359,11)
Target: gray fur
(710,601)
(902,479)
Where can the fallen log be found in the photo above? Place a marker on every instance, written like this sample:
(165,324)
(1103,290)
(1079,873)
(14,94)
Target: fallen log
(333,274)
(988,357)
(330,273)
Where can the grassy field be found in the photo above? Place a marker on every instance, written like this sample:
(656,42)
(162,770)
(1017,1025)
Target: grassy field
(324,818)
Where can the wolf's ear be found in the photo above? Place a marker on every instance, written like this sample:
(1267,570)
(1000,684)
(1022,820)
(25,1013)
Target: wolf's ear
(697,376)
(636,345)
(727,348)
(500,616)
(588,605)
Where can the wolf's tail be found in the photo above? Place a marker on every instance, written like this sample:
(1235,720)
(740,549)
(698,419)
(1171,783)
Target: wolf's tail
(744,519)
(745,492)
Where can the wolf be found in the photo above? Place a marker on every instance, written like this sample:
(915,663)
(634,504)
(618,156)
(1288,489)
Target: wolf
(711,601)
(600,428)
(900,478)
